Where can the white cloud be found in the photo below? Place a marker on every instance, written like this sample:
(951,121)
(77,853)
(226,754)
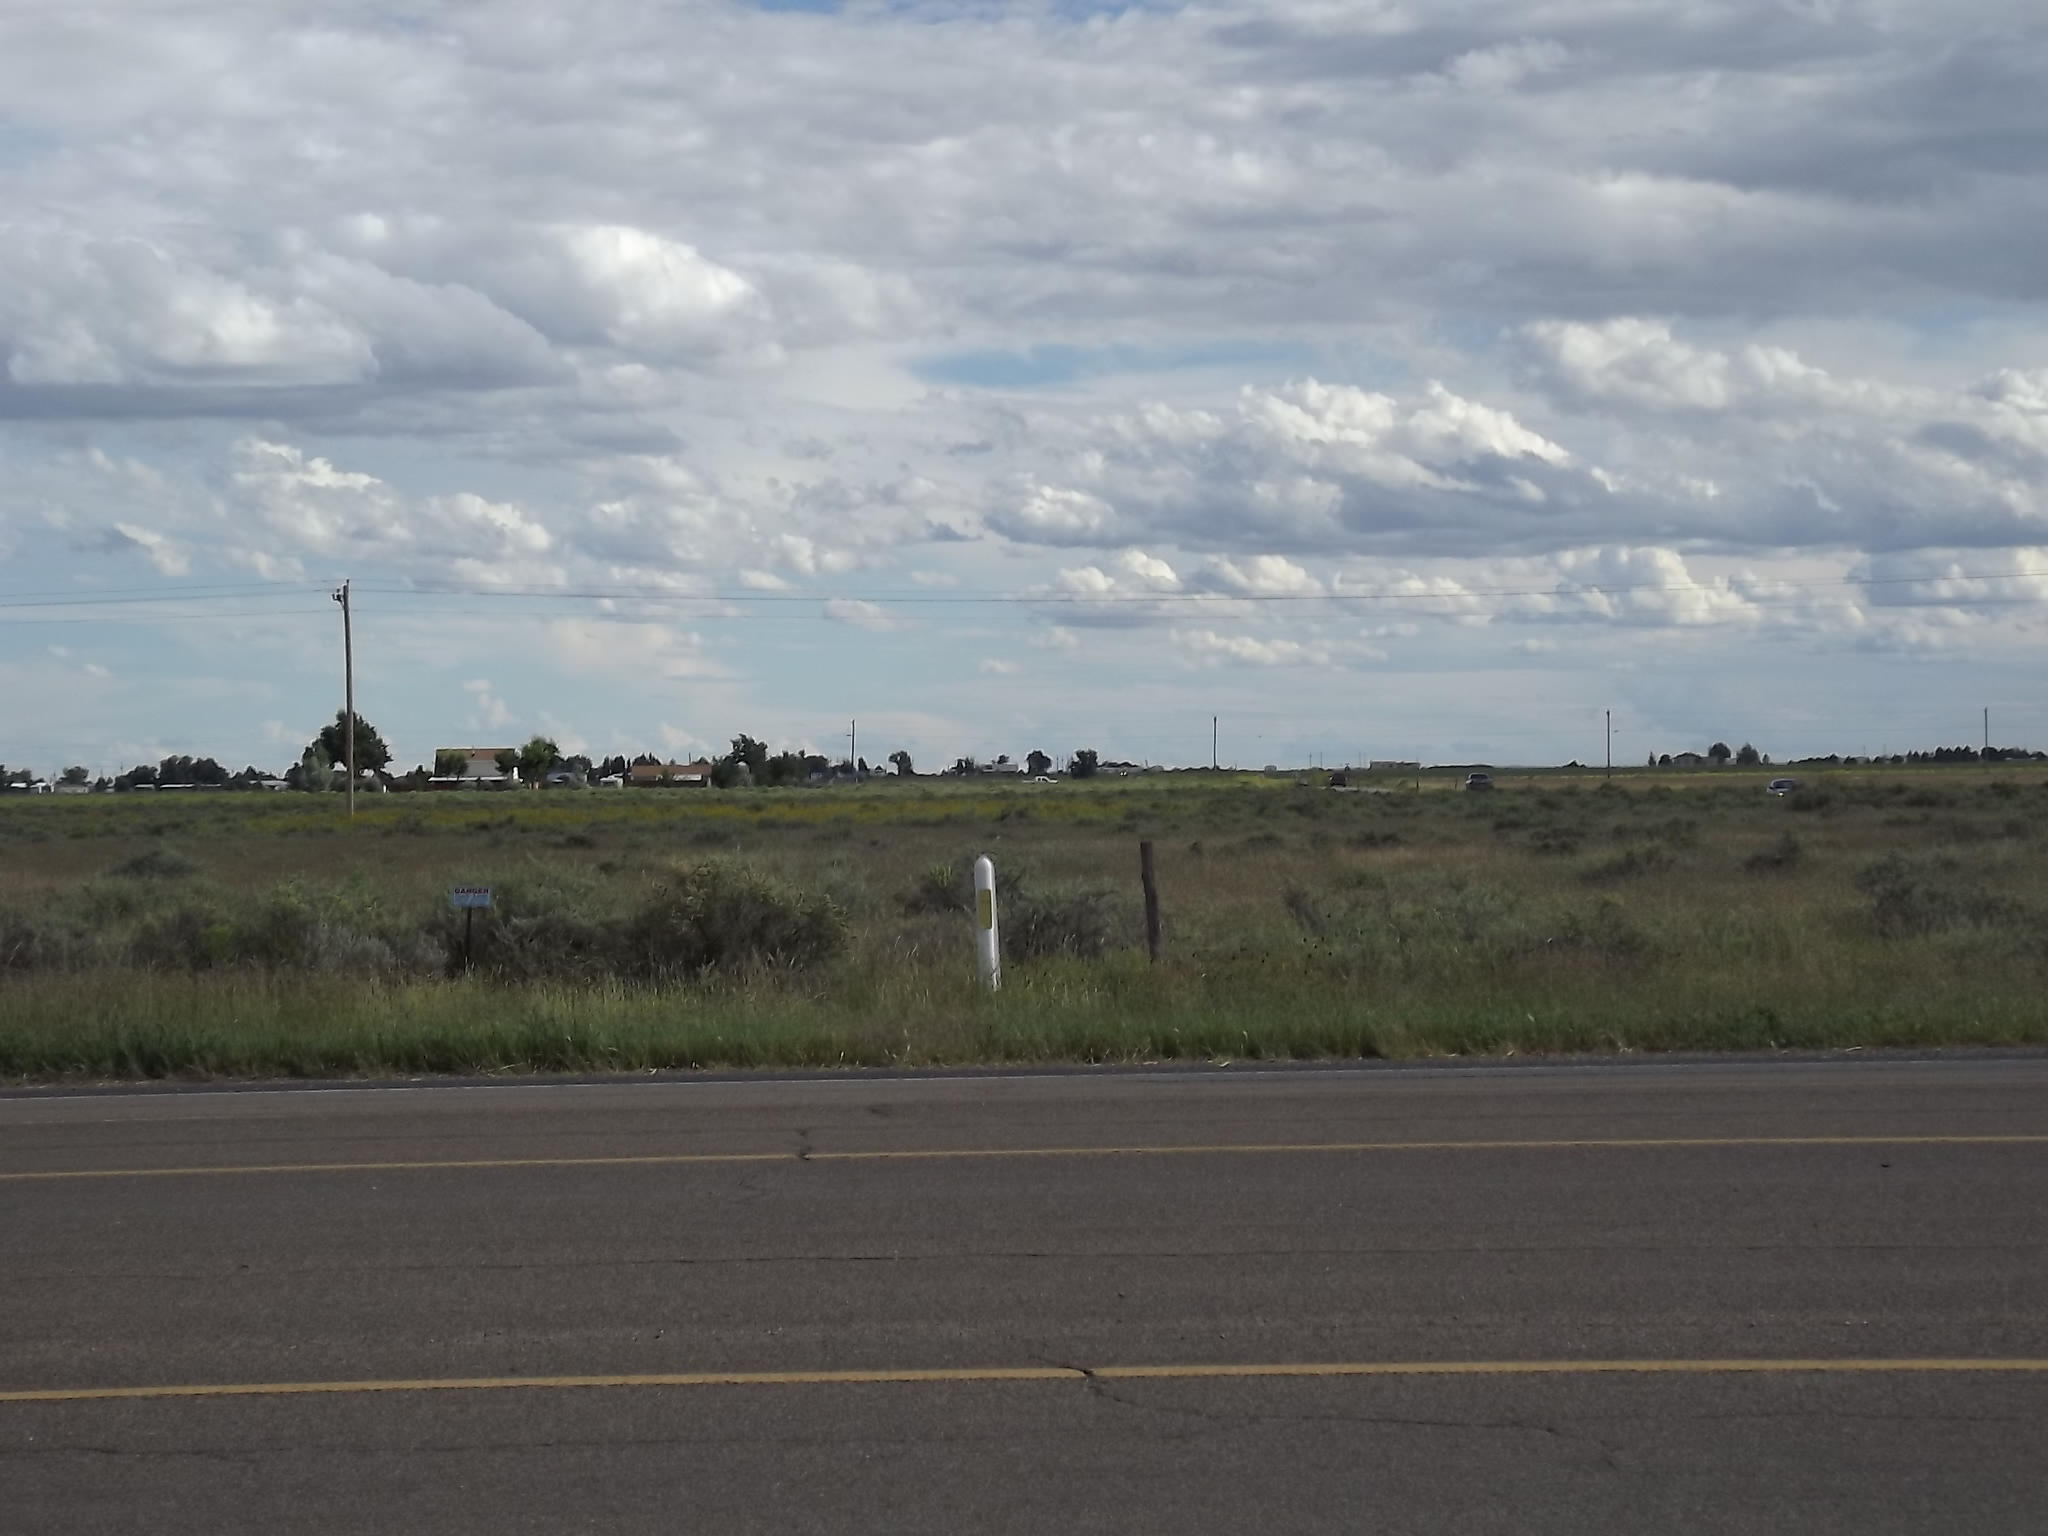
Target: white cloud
(158,550)
(488,711)
(1503,314)
(1206,645)
(620,648)
(859,613)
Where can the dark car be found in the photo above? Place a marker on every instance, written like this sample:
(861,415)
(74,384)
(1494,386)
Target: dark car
(1479,781)
(1781,786)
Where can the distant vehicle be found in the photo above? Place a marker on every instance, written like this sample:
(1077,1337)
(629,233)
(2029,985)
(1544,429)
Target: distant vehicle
(1781,786)
(1479,781)
(1044,778)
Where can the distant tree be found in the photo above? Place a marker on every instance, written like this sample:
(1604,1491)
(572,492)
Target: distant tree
(74,775)
(612,768)
(141,773)
(646,759)
(754,754)
(900,761)
(314,769)
(965,765)
(1086,761)
(370,749)
(506,760)
(1037,762)
(450,764)
(1718,753)
(1652,762)
(1747,756)
(1664,760)
(537,757)
(790,767)
(579,764)
(189,770)
(861,767)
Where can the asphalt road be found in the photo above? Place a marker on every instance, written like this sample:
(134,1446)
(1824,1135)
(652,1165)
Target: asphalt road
(790,1256)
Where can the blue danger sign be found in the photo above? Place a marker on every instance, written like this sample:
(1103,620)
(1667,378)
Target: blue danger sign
(470,896)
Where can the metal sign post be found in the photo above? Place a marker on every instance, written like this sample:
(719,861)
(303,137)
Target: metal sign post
(467,899)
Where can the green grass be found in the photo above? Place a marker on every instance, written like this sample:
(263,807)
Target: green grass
(252,935)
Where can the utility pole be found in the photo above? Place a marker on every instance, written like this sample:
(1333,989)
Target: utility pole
(1212,743)
(852,741)
(1987,733)
(348,663)
(1610,743)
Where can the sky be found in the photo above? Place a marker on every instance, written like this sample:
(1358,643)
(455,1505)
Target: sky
(1429,380)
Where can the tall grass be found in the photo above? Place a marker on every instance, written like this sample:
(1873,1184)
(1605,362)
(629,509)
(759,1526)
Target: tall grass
(257,935)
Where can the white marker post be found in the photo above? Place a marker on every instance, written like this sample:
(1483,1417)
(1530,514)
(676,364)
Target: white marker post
(986,949)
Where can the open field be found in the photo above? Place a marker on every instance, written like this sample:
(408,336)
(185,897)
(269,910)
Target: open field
(145,935)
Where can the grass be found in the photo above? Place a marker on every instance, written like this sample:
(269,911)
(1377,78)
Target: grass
(253,935)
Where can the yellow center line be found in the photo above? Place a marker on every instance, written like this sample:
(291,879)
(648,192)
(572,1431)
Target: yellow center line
(962,1154)
(1040,1373)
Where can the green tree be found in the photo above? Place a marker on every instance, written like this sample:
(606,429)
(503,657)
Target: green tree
(753,753)
(536,758)
(900,761)
(370,749)
(314,770)
(1719,754)
(1085,763)
(1037,762)
(1747,756)
(74,776)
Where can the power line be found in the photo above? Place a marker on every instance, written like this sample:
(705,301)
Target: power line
(1401,600)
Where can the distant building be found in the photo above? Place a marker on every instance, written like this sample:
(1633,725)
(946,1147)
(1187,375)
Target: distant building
(479,770)
(1392,765)
(695,775)
(1688,760)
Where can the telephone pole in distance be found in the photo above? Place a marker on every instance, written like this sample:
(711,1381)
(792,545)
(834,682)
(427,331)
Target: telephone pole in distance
(348,667)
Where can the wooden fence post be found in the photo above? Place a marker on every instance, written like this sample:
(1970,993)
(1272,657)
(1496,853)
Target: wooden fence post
(1146,873)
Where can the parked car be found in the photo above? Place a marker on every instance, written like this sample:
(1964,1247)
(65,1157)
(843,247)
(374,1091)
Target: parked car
(1781,786)
(1479,781)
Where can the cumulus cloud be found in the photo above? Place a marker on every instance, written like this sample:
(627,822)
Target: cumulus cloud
(1323,319)
(860,614)
(1207,646)
(1309,467)
(305,503)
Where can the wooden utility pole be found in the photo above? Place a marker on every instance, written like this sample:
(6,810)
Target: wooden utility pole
(348,667)
(1212,743)
(1610,743)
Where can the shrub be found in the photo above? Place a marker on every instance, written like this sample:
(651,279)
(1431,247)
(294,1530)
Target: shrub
(29,945)
(941,888)
(725,916)
(1081,921)
(1907,900)
(156,864)
(1782,855)
(1626,865)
